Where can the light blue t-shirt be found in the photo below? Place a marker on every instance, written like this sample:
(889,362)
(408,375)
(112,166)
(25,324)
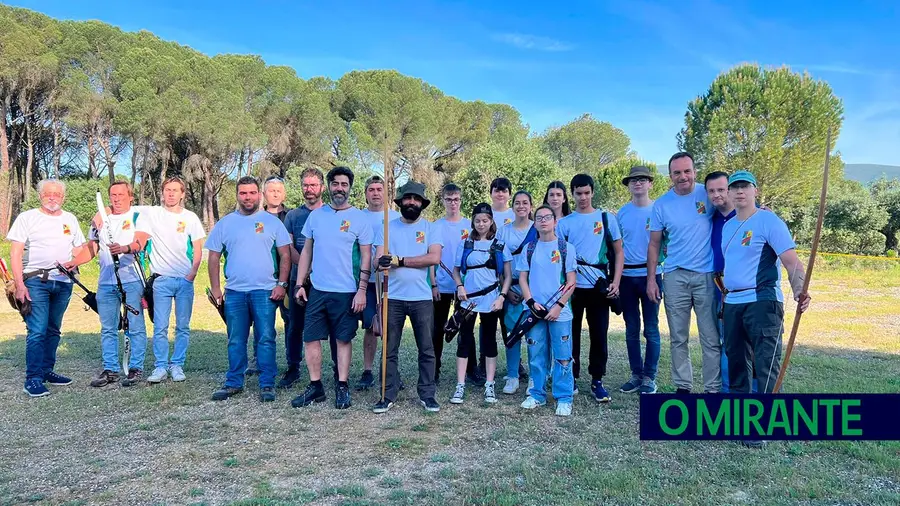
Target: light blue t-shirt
(687,221)
(635,224)
(409,240)
(513,239)
(585,231)
(752,249)
(248,243)
(376,221)
(545,274)
(338,237)
(502,218)
(450,234)
(481,278)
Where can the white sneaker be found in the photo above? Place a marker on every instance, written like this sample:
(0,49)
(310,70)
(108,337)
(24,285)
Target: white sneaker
(459,394)
(512,386)
(159,375)
(489,395)
(177,373)
(564,409)
(532,403)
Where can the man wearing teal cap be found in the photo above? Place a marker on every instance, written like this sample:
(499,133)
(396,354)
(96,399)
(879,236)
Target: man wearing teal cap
(755,244)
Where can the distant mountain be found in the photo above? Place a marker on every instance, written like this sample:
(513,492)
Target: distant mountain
(867,172)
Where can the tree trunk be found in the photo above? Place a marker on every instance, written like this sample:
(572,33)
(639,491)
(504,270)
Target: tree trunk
(134,160)
(92,157)
(110,159)
(29,160)
(241,163)
(5,171)
(57,149)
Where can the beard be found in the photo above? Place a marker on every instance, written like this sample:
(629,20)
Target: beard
(250,207)
(312,197)
(52,207)
(338,198)
(411,212)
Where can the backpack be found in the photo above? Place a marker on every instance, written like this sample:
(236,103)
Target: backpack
(560,244)
(494,261)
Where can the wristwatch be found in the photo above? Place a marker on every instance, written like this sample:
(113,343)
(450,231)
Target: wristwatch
(283,284)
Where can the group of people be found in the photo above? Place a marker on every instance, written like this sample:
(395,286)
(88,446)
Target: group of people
(536,271)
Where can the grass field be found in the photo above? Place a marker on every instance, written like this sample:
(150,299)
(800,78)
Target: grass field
(169,444)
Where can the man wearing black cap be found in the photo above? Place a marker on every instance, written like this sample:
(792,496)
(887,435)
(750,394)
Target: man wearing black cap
(413,248)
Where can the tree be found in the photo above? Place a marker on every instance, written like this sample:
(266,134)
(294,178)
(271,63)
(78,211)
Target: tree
(585,145)
(886,193)
(611,194)
(772,122)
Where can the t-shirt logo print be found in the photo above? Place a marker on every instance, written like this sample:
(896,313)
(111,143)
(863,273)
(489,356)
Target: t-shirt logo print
(507,221)
(647,225)
(598,227)
(554,257)
(701,207)
(126,225)
(345,226)
(181,226)
(464,234)
(420,236)
(259,227)
(748,236)
(66,230)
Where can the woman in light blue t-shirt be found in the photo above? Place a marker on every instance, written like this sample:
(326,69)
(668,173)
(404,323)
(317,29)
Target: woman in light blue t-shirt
(483,274)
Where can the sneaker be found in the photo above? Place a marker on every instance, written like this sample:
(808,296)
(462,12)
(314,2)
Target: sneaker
(648,386)
(35,388)
(682,391)
(342,396)
(489,395)
(159,375)
(105,378)
(134,377)
(291,376)
(600,393)
(459,395)
(382,406)
(313,393)
(57,379)
(177,373)
(564,409)
(532,403)
(511,387)
(366,380)
(225,392)
(475,379)
(632,385)
(266,394)
(431,405)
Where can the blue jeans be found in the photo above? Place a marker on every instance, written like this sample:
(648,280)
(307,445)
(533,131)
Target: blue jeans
(49,301)
(165,290)
(637,307)
(558,337)
(109,305)
(242,309)
(514,354)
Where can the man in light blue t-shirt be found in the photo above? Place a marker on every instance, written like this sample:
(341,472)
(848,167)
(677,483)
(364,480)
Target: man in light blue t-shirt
(412,249)
(254,287)
(683,215)
(755,244)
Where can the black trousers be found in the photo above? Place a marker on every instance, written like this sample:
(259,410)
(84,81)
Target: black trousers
(441,315)
(588,301)
(421,316)
(487,334)
(753,341)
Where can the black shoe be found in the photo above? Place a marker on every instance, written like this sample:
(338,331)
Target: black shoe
(476,379)
(342,396)
(266,394)
(134,377)
(105,378)
(383,406)
(57,379)
(291,376)
(312,394)
(682,391)
(430,405)
(225,392)
(365,381)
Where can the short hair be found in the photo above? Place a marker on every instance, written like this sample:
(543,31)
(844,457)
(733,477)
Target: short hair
(714,175)
(126,184)
(45,182)
(247,180)
(175,179)
(339,171)
(450,188)
(272,179)
(372,179)
(312,172)
(501,183)
(581,180)
(680,154)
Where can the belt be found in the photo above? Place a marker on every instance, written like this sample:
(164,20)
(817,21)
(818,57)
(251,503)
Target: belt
(635,266)
(43,273)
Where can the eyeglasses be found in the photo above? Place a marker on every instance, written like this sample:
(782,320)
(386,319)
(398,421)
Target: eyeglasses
(639,180)
(274,178)
(313,185)
(50,195)
(455,200)
(543,218)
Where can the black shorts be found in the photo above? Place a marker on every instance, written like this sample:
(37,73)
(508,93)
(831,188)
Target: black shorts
(368,313)
(329,314)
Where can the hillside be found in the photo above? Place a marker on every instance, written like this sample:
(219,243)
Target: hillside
(866,172)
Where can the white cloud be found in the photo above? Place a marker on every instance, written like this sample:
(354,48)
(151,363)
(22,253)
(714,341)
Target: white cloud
(535,42)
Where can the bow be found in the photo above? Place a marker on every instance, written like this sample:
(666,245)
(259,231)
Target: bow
(809,268)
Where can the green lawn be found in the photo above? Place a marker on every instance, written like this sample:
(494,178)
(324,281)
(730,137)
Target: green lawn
(169,444)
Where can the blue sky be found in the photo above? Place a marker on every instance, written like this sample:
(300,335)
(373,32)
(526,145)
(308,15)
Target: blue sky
(633,63)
